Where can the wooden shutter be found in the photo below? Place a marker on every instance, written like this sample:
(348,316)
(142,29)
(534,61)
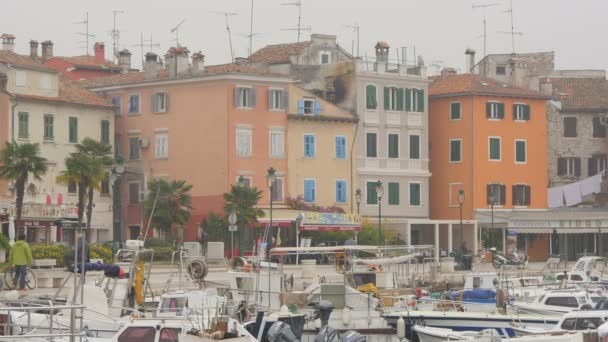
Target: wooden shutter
(387,100)
(455,110)
(153,103)
(514,112)
(501,110)
(528,199)
(488,193)
(420,94)
(370,97)
(515,195)
(503,194)
(400,95)
(526,112)
(237,92)
(252,98)
(577,166)
(408,100)
(269,93)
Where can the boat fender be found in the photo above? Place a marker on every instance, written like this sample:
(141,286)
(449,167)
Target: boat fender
(346,316)
(401,328)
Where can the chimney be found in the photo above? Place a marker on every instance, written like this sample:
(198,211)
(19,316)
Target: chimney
(177,60)
(519,72)
(382,52)
(470,60)
(47,50)
(34,49)
(124,60)
(198,62)
(8,42)
(546,87)
(100,53)
(151,66)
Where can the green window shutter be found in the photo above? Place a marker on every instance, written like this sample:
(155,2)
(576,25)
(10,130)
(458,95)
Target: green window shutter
(387,95)
(105,131)
(370,97)
(23,125)
(393,146)
(73,130)
(400,99)
(420,93)
(494,149)
(408,100)
(371,145)
(393,193)
(455,151)
(414,194)
(414,147)
(526,112)
(520,151)
(501,110)
(455,111)
(372,196)
(488,110)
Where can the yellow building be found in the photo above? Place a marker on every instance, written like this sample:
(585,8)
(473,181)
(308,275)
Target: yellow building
(320,141)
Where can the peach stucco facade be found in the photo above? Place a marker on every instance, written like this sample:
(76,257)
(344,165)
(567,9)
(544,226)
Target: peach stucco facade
(475,171)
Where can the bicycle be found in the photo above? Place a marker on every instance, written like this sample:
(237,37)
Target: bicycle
(30,279)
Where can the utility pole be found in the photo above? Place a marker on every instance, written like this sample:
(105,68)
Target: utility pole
(513,33)
(115,37)
(86,34)
(485,36)
(227,15)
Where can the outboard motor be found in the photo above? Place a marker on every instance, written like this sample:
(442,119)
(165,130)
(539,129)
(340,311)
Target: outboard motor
(323,311)
(353,336)
(281,332)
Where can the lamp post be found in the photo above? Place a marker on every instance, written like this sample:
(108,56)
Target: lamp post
(270,178)
(358,197)
(117,172)
(379,192)
(493,200)
(460,203)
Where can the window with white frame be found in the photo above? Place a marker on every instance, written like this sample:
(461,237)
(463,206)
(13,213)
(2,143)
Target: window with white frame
(161,145)
(277,142)
(160,102)
(495,110)
(415,195)
(455,111)
(243,141)
(597,164)
(521,112)
(393,96)
(134,104)
(277,99)
(277,190)
(309,106)
(455,150)
(496,194)
(20,78)
(245,97)
(569,166)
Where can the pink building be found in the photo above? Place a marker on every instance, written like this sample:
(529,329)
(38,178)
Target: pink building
(207,125)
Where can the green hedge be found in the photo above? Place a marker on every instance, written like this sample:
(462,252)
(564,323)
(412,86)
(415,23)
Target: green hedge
(56,252)
(101,252)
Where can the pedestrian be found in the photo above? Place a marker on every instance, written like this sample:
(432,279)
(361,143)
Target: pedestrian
(20,257)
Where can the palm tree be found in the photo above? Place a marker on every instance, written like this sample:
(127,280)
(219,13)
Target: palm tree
(81,169)
(19,162)
(100,152)
(173,203)
(243,201)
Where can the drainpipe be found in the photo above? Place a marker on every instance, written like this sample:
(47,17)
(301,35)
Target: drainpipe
(352,149)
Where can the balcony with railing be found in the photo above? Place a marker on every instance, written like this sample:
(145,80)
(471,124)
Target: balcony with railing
(390,66)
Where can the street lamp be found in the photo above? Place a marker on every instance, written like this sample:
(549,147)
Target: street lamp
(460,203)
(116,173)
(493,199)
(358,197)
(379,192)
(270,178)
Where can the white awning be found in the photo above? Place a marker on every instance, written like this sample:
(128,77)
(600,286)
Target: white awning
(581,230)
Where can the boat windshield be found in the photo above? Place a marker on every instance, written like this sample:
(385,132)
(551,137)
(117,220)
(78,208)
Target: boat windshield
(137,334)
(582,323)
(174,304)
(169,335)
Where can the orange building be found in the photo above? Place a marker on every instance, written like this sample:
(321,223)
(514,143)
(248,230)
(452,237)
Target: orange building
(489,140)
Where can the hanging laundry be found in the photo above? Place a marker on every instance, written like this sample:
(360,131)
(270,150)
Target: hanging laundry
(572,192)
(591,185)
(555,197)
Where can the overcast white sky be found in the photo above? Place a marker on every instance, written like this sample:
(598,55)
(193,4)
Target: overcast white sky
(440,30)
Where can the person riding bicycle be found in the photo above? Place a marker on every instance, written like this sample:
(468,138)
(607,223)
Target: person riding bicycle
(20,257)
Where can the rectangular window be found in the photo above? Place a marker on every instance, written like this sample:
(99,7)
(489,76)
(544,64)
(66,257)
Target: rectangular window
(455,111)
(310,190)
(277,142)
(569,166)
(521,195)
(340,147)
(45,82)
(370,97)
(455,150)
(73,130)
(105,185)
(245,97)
(243,142)
(415,194)
(520,151)
(105,131)
(277,190)
(495,110)
(133,193)
(117,103)
(324,58)
(496,194)
(393,98)
(340,191)
(596,164)
(24,125)
(134,104)
(393,193)
(134,148)
(309,106)
(599,130)
(72,187)
(49,134)
(521,112)
(160,102)
(501,70)
(570,127)
(494,148)
(247,181)
(309,146)
(414,100)
(414,147)
(393,145)
(20,78)
(372,195)
(277,99)
(372,149)
(161,148)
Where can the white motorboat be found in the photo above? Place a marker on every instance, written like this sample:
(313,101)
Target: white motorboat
(556,302)
(427,334)
(430,334)
(572,321)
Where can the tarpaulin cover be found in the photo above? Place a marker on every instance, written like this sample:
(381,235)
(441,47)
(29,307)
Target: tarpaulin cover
(474,294)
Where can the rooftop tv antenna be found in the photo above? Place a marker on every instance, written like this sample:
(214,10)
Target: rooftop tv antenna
(145,43)
(485,35)
(176,31)
(251,30)
(355,28)
(85,22)
(228,15)
(513,33)
(115,34)
(297,3)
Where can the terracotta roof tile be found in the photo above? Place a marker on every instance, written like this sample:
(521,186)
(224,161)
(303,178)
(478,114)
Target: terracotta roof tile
(134,77)
(278,53)
(473,84)
(584,94)
(73,93)
(10,57)
(88,61)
